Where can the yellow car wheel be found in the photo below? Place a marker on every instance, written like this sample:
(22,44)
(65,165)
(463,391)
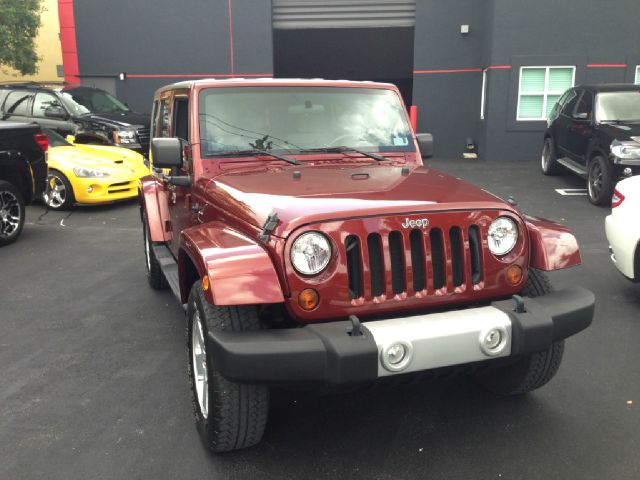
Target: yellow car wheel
(59,194)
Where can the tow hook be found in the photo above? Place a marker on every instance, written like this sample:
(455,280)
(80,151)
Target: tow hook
(356,330)
(519,304)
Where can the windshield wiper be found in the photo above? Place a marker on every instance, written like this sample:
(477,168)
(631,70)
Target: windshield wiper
(246,153)
(343,149)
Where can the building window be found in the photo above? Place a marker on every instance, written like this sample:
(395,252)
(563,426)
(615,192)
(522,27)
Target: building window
(540,88)
(483,95)
(638,75)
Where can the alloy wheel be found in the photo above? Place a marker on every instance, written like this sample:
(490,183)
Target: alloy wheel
(199,364)
(545,156)
(57,192)
(595,180)
(10,213)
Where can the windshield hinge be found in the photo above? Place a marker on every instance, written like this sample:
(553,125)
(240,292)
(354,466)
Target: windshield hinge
(268,227)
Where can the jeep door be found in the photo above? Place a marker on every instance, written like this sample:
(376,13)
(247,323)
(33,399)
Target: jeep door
(173,121)
(580,128)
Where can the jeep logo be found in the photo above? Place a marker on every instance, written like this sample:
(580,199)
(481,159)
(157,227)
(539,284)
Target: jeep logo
(421,222)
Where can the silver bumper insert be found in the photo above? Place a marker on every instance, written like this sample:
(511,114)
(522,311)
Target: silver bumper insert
(423,342)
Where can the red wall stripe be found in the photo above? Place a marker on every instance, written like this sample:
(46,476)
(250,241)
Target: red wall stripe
(454,70)
(197,75)
(68,41)
(606,65)
(499,67)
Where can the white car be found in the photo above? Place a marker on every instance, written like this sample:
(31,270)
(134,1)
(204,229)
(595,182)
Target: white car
(623,227)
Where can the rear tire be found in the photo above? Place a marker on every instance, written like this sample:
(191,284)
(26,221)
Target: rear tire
(600,181)
(12,213)
(228,415)
(549,162)
(529,372)
(155,277)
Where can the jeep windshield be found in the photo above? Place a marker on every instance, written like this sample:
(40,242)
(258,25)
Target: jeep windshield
(618,107)
(298,120)
(89,100)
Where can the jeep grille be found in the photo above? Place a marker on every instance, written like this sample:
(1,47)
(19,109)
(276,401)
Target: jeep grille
(428,253)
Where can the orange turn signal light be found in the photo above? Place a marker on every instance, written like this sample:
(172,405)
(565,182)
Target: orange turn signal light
(514,274)
(205,283)
(308,299)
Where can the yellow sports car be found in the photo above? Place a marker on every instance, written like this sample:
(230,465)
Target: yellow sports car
(89,174)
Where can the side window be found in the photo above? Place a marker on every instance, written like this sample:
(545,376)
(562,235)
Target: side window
(181,118)
(570,104)
(165,117)
(17,103)
(43,101)
(155,112)
(584,107)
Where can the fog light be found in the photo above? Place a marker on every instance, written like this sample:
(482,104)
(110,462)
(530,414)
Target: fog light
(627,172)
(514,274)
(89,189)
(494,341)
(308,299)
(396,356)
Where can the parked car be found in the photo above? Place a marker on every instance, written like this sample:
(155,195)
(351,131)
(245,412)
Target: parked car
(594,132)
(23,174)
(92,115)
(91,174)
(309,244)
(623,228)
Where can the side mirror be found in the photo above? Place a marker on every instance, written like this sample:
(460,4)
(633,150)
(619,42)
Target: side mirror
(55,112)
(581,116)
(166,152)
(425,142)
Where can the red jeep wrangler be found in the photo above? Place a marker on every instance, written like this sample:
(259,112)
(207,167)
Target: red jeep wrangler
(309,244)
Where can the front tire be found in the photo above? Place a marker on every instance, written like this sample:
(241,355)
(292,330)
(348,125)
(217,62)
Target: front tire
(600,181)
(549,162)
(529,372)
(228,415)
(12,213)
(59,195)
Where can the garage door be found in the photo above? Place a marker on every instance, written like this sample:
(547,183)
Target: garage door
(303,14)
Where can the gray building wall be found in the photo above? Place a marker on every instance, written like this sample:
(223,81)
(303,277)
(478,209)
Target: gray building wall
(169,38)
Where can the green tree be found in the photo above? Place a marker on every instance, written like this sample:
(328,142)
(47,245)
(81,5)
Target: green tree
(19,23)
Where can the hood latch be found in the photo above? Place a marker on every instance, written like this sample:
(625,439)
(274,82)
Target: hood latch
(268,227)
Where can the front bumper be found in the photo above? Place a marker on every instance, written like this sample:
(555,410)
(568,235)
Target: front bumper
(327,353)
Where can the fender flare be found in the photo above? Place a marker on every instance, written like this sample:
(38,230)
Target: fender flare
(154,201)
(239,269)
(553,246)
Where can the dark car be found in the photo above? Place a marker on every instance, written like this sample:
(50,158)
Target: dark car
(92,115)
(23,174)
(594,131)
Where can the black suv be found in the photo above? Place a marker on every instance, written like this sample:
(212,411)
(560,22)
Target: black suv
(594,131)
(92,115)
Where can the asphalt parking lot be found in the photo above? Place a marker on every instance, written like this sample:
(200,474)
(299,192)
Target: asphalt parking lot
(93,372)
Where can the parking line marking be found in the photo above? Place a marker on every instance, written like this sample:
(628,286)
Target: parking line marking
(571,191)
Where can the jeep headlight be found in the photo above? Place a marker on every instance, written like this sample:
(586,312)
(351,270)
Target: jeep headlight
(89,173)
(625,150)
(123,137)
(310,253)
(503,235)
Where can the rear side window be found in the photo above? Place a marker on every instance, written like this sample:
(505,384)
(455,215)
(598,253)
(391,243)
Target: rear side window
(17,103)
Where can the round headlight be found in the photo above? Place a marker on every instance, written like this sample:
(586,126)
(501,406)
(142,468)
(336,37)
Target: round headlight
(310,253)
(503,235)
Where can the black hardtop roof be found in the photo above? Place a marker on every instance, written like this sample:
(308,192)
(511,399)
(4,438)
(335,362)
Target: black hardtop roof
(610,87)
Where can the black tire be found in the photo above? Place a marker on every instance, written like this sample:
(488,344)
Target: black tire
(236,414)
(529,372)
(548,161)
(12,213)
(600,181)
(62,198)
(155,277)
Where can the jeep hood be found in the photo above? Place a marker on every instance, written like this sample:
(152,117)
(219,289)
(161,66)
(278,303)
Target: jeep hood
(310,194)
